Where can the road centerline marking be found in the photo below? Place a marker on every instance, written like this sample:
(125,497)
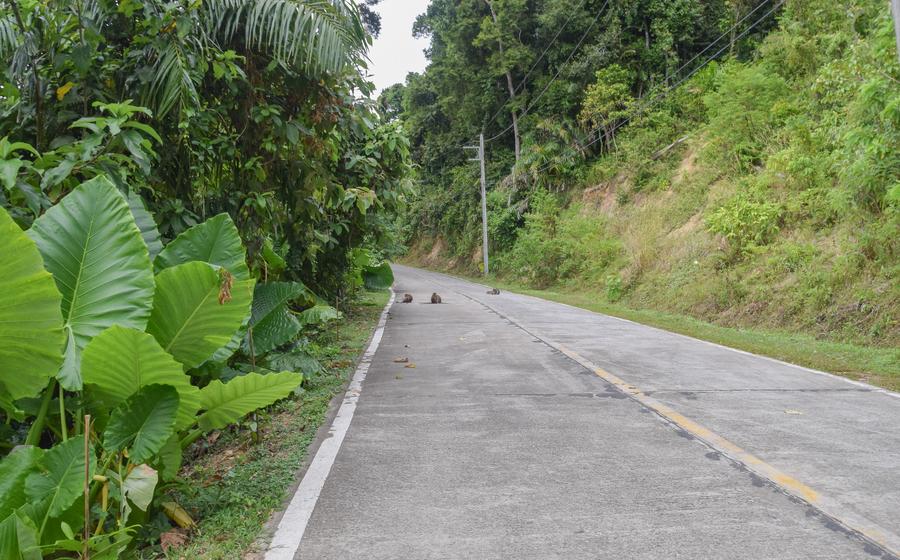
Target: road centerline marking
(870,533)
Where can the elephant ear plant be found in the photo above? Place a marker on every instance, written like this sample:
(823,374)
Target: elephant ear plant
(99,352)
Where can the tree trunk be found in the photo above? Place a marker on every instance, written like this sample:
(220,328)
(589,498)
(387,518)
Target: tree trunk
(512,89)
(515,118)
(734,29)
(38,89)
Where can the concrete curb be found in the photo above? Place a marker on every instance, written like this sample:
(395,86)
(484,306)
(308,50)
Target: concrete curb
(291,524)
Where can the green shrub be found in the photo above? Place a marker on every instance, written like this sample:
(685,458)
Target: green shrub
(135,353)
(791,257)
(744,112)
(745,222)
(614,289)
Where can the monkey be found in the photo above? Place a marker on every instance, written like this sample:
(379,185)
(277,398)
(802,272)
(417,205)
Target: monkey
(435,298)
(494,292)
(407,298)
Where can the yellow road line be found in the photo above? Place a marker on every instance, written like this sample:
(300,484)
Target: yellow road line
(754,464)
(697,430)
(852,523)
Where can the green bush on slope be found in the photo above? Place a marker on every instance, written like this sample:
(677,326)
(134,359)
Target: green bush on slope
(781,209)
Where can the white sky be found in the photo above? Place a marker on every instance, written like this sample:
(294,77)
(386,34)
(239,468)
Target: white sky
(396,53)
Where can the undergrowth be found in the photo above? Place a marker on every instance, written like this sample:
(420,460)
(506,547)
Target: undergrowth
(237,479)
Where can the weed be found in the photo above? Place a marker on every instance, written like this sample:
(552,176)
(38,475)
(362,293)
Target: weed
(235,485)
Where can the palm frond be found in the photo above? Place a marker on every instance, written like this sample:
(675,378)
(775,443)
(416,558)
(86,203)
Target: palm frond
(8,35)
(172,83)
(92,13)
(317,36)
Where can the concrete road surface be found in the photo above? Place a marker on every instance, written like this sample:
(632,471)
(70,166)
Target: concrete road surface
(533,430)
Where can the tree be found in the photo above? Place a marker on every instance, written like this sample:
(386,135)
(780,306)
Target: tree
(607,102)
(370,18)
(256,104)
(501,30)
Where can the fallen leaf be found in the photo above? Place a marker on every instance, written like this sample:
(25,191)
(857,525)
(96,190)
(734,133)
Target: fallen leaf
(795,412)
(172,538)
(410,365)
(401,360)
(178,514)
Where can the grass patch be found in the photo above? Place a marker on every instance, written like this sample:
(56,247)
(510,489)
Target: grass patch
(235,484)
(878,366)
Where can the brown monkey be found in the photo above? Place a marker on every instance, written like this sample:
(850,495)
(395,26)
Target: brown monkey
(407,298)
(494,292)
(435,298)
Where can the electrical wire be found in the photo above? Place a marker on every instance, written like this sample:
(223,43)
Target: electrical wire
(723,35)
(668,90)
(538,61)
(558,72)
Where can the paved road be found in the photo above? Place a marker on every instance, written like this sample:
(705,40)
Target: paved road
(533,430)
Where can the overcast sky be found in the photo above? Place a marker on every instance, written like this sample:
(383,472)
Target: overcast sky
(396,53)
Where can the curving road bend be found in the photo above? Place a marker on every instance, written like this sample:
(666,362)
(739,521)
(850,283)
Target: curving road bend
(532,430)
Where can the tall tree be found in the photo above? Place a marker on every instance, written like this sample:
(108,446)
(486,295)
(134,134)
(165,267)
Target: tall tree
(514,55)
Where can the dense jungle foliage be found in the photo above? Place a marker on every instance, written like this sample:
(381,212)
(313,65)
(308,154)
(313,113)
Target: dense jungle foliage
(189,190)
(734,160)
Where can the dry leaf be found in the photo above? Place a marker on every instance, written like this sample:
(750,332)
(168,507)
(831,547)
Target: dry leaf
(178,514)
(172,538)
(410,365)
(401,360)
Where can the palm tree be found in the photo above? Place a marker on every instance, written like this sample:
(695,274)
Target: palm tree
(311,37)
(314,37)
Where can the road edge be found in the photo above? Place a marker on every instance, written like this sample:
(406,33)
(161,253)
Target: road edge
(875,539)
(291,524)
(862,384)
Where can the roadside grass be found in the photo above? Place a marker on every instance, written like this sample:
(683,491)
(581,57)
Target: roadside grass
(874,365)
(233,487)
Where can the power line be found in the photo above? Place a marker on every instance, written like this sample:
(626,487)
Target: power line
(723,35)
(558,72)
(668,90)
(536,62)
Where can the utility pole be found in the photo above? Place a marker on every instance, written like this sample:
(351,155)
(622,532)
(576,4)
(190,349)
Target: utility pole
(484,227)
(895,7)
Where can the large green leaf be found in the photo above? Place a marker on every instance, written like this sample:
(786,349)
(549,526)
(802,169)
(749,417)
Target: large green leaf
(218,242)
(19,538)
(143,423)
(101,266)
(31,333)
(226,403)
(297,360)
(60,478)
(272,322)
(168,460)
(215,241)
(191,316)
(146,224)
(120,362)
(319,315)
(14,469)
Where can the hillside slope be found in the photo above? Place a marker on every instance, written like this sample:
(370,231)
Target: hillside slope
(763,192)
